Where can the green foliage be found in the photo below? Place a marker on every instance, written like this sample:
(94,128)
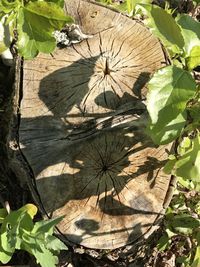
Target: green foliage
(173,100)
(35,22)
(169,91)
(18,231)
(164,27)
(191,33)
(186,165)
(181,226)
(128,6)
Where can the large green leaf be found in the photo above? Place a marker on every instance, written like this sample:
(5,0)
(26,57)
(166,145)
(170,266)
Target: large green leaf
(34,34)
(164,27)
(36,23)
(169,91)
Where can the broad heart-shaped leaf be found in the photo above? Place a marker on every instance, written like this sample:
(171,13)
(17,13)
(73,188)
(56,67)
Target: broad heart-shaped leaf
(190,29)
(188,164)
(194,58)
(170,88)
(164,27)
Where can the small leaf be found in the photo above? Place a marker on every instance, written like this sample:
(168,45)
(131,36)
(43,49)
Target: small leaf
(169,91)
(164,27)
(3,214)
(6,250)
(5,38)
(8,6)
(163,242)
(196,261)
(190,29)
(170,165)
(30,209)
(54,243)
(184,224)
(46,226)
(194,58)
(188,164)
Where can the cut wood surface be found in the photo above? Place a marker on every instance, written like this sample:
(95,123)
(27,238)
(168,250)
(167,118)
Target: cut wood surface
(82,131)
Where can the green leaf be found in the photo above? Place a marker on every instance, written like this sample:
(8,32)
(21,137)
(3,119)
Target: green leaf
(34,34)
(54,243)
(30,209)
(8,6)
(5,38)
(188,164)
(190,29)
(196,261)
(60,3)
(163,242)
(194,58)
(164,27)
(6,251)
(131,4)
(35,25)
(3,214)
(184,224)
(42,247)
(46,226)
(45,257)
(38,249)
(169,91)
(48,10)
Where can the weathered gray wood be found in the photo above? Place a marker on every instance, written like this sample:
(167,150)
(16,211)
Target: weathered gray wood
(82,131)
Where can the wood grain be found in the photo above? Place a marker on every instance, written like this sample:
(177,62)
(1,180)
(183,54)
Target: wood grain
(82,131)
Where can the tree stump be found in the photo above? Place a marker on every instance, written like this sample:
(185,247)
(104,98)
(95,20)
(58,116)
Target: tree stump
(81,134)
